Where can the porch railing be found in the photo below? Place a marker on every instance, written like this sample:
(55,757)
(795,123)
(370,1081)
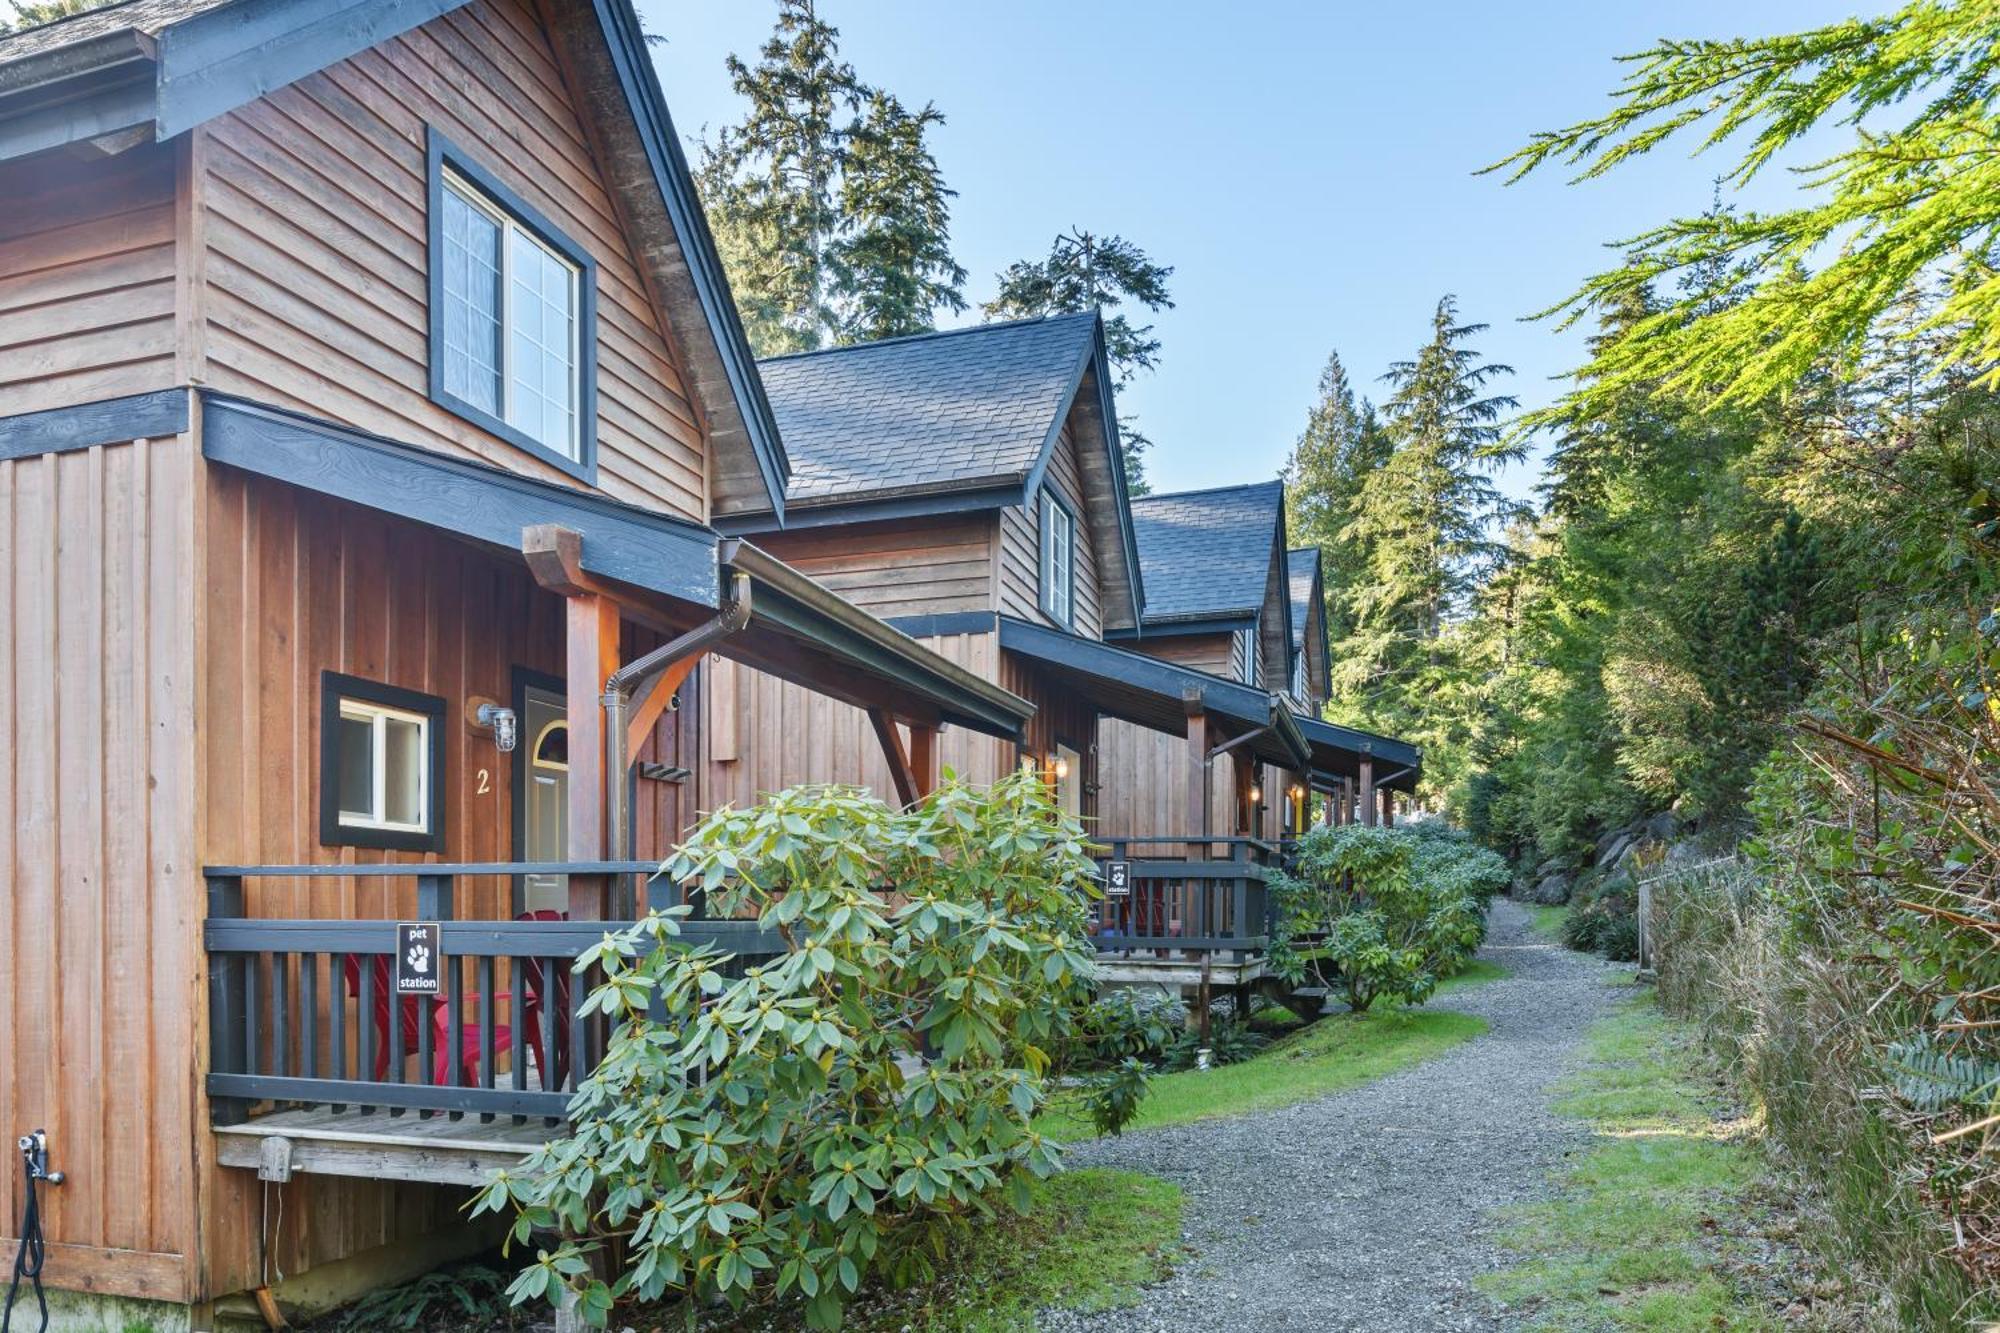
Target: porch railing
(302,1014)
(1187,897)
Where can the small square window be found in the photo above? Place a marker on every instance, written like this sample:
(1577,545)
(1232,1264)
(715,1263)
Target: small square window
(1058,562)
(512,316)
(381,766)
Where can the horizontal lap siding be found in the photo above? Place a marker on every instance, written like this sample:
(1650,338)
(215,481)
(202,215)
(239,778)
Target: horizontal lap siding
(97,868)
(312,206)
(86,279)
(918,567)
(296,584)
(1021,547)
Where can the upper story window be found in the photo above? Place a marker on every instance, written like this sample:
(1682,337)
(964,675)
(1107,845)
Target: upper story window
(1299,675)
(1058,561)
(381,765)
(513,316)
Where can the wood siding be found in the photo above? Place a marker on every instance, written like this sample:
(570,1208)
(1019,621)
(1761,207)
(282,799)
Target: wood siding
(912,567)
(1143,783)
(86,279)
(1214,653)
(295,584)
(1020,556)
(311,204)
(98,873)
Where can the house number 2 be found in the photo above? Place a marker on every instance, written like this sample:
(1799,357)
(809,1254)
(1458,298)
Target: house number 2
(485,782)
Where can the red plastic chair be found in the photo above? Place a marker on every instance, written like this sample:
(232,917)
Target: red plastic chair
(534,994)
(412,1008)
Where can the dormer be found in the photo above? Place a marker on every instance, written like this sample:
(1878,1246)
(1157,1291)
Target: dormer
(1310,681)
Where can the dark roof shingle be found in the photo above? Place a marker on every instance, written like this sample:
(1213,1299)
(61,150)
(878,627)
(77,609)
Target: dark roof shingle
(146,16)
(1207,553)
(935,411)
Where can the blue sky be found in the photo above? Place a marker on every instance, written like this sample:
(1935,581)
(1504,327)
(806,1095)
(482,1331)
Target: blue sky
(1305,167)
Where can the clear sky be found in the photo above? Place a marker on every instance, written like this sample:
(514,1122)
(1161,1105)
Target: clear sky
(1307,168)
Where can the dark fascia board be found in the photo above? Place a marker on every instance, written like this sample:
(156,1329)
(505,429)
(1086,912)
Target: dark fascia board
(1093,353)
(648,105)
(839,513)
(141,416)
(1169,628)
(194,69)
(788,600)
(1243,703)
(225,57)
(1363,744)
(622,542)
(440,155)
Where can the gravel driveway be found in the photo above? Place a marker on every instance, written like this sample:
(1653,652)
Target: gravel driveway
(1366,1209)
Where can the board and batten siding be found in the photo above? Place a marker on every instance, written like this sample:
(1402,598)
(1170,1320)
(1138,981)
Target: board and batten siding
(295,584)
(1143,783)
(1020,555)
(87,291)
(101,886)
(311,205)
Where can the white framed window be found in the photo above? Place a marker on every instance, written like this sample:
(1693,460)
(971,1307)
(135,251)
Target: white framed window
(381,765)
(512,316)
(384,776)
(1058,561)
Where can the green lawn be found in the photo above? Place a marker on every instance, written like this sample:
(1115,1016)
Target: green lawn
(1548,921)
(1649,1222)
(1337,1052)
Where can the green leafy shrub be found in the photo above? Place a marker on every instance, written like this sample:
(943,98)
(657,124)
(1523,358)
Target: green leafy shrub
(761,1133)
(446,1298)
(1229,1042)
(1374,912)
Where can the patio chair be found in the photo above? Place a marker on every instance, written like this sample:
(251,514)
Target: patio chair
(535,992)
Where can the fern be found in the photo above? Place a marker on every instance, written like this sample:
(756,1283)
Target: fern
(1931,1079)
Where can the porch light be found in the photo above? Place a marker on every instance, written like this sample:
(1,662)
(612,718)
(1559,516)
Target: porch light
(1061,768)
(1256,794)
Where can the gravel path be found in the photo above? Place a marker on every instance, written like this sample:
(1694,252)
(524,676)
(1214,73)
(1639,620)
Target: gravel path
(1367,1209)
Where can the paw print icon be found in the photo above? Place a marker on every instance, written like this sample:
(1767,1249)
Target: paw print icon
(419,958)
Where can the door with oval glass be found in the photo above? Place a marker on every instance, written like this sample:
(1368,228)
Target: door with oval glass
(545,796)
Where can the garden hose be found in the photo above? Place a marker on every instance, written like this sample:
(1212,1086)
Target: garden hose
(32,1252)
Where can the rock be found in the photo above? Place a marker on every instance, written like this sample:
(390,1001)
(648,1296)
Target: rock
(1553,890)
(1663,826)
(1612,850)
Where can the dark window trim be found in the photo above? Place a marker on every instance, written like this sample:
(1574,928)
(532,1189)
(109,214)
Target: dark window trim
(334,687)
(443,153)
(1049,497)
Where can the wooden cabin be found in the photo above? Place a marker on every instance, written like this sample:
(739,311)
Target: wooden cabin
(370,397)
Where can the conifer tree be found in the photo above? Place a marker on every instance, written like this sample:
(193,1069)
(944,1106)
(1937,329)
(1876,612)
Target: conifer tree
(1342,443)
(1084,271)
(828,207)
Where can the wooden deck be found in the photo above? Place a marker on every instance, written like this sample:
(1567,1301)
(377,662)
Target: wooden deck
(379,1145)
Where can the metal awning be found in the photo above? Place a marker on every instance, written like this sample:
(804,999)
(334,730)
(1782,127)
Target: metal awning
(671,569)
(1337,752)
(1157,694)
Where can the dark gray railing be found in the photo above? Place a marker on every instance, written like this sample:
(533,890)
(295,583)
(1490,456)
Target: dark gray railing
(301,1011)
(1212,898)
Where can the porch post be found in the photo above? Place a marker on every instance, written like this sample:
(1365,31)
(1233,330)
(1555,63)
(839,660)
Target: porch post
(923,758)
(592,657)
(1369,809)
(1198,775)
(1388,808)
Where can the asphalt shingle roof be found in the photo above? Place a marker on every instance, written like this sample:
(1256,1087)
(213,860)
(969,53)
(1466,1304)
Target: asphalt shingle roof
(147,16)
(1300,565)
(936,411)
(1207,553)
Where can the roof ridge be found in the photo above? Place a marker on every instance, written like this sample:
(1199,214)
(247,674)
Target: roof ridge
(1279,482)
(900,339)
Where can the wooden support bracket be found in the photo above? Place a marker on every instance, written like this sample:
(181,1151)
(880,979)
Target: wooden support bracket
(900,770)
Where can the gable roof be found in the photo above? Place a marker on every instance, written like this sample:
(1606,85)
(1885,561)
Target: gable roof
(958,410)
(150,69)
(1206,555)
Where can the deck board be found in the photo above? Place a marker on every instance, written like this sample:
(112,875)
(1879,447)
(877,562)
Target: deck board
(379,1145)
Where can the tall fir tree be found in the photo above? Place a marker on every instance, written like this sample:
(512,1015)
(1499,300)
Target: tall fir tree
(1342,443)
(893,265)
(1083,271)
(1431,521)
(828,206)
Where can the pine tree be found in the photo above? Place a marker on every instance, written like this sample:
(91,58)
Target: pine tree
(828,207)
(1343,442)
(894,267)
(1429,518)
(1088,272)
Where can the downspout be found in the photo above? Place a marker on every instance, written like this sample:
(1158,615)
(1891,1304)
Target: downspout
(619,687)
